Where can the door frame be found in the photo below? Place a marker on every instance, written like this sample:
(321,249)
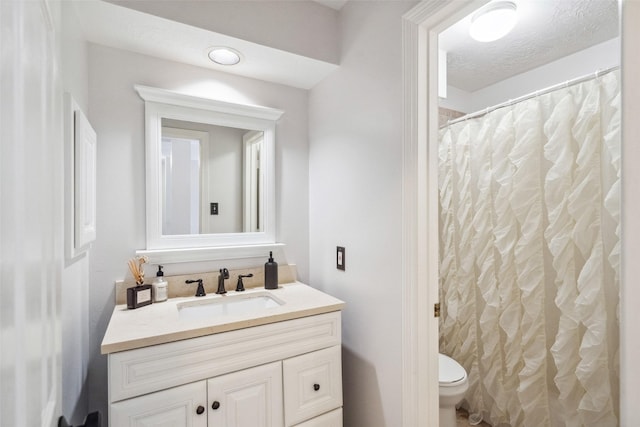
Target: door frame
(420,28)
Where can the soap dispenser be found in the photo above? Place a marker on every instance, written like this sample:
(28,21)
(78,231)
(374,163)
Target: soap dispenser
(159,286)
(271,273)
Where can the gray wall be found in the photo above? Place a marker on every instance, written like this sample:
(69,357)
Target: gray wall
(355,123)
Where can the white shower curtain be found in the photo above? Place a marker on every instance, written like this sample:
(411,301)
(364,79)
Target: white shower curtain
(530,256)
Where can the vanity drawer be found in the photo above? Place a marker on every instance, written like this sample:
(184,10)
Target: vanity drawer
(332,419)
(145,370)
(312,384)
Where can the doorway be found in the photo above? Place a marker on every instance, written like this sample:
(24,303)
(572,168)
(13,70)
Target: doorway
(421,27)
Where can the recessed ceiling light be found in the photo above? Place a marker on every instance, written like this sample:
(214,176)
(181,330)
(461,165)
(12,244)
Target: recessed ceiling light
(224,55)
(493,21)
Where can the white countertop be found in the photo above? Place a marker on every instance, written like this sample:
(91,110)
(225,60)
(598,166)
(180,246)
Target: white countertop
(159,323)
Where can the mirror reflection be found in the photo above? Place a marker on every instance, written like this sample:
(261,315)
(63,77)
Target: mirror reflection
(211,179)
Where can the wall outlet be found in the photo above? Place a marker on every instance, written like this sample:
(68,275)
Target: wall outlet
(340,258)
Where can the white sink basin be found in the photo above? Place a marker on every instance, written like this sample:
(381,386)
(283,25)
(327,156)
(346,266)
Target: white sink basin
(236,304)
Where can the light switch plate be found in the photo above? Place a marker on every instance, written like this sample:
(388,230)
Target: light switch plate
(340,264)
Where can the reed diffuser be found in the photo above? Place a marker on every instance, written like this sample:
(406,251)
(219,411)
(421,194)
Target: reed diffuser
(139,295)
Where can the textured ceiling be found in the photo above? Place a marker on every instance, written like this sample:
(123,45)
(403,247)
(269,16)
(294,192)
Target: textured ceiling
(547,30)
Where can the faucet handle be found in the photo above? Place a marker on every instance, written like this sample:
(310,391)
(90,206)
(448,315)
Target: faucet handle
(240,285)
(200,291)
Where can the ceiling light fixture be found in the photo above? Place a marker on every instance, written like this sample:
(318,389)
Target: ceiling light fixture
(493,21)
(224,55)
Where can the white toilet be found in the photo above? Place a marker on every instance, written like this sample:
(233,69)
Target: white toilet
(453,386)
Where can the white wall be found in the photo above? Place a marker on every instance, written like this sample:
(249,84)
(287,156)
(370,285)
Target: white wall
(355,162)
(43,304)
(75,274)
(588,61)
(303,27)
(117,114)
(226,154)
(457,100)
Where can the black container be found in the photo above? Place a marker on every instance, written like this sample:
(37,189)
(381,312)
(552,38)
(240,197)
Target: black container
(271,273)
(138,296)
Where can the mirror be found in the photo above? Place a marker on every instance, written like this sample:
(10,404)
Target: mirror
(210,171)
(211,178)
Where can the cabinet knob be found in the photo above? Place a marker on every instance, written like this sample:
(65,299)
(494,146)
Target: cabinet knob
(215,405)
(199,409)
(316,387)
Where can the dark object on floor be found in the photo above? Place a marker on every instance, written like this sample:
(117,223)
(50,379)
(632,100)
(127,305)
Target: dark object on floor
(94,419)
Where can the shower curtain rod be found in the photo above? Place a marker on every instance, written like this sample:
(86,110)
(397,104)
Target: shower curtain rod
(510,102)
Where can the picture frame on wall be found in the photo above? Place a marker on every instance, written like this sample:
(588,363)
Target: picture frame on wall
(80,180)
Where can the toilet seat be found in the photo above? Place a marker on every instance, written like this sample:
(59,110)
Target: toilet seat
(454,383)
(450,372)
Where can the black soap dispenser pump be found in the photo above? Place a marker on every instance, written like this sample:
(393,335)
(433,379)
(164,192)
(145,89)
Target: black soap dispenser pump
(271,273)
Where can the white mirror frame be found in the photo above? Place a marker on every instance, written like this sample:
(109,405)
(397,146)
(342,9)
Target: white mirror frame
(159,104)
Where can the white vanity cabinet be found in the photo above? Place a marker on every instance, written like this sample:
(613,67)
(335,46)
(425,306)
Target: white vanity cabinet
(281,374)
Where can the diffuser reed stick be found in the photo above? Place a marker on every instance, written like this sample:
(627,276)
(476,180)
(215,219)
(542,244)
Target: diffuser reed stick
(137,271)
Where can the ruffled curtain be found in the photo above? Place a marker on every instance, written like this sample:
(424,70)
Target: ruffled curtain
(530,256)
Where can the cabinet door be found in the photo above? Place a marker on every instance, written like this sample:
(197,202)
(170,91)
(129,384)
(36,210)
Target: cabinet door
(183,406)
(312,384)
(247,398)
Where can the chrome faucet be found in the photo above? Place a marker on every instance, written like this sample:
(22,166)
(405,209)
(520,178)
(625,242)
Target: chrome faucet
(224,274)
(200,291)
